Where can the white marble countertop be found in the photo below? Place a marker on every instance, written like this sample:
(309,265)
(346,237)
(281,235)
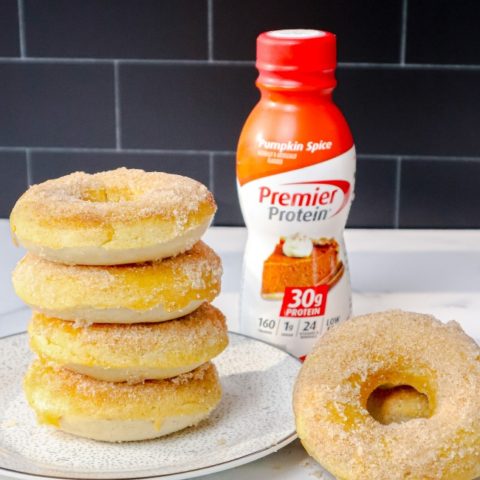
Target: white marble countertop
(435,272)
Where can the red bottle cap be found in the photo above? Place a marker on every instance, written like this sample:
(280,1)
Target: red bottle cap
(297,58)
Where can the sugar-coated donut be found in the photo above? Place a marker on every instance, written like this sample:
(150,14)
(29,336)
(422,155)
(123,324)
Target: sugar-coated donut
(120,412)
(133,353)
(148,292)
(110,218)
(391,349)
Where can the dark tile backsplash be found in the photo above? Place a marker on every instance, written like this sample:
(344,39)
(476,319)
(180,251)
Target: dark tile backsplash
(117,28)
(167,84)
(9,34)
(439,193)
(225,190)
(185,106)
(13,175)
(367,30)
(443,31)
(412,112)
(45,165)
(375,194)
(56,105)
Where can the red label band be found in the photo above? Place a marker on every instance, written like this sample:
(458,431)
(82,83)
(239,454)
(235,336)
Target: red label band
(304,302)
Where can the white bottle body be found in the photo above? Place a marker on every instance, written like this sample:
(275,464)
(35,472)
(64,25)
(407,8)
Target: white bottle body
(295,280)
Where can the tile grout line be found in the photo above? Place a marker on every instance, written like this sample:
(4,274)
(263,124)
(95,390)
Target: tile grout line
(59,60)
(146,151)
(21,28)
(28,159)
(210,29)
(118,113)
(127,61)
(211,179)
(439,158)
(398,184)
(403,38)
(153,151)
(410,66)
(233,63)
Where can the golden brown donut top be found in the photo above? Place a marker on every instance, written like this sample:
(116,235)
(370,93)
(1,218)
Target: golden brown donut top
(121,195)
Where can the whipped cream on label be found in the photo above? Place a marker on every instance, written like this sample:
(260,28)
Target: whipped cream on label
(297,245)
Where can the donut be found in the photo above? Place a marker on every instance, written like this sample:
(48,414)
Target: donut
(133,353)
(111,218)
(120,412)
(149,292)
(387,350)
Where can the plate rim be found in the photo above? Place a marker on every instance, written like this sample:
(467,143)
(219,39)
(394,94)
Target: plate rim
(197,472)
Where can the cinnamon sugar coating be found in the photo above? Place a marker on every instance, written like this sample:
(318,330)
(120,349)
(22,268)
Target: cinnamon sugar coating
(123,208)
(171,283)
(54,393)
(392,348)
(193,339)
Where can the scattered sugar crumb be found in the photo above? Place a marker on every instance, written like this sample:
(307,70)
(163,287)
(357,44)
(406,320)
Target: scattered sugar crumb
(318,474)
(9,423)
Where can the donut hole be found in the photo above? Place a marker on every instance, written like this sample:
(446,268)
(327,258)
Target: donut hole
(397,404)
(108,195)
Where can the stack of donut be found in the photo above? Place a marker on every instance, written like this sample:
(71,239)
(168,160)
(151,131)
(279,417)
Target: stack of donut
(120,285)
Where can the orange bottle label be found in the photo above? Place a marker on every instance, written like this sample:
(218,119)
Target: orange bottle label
(269,149)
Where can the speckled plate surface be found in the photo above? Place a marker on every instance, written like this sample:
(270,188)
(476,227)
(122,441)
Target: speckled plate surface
(253,419)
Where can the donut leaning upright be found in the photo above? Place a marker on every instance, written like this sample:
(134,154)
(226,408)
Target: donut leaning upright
(89,325)
(440,366)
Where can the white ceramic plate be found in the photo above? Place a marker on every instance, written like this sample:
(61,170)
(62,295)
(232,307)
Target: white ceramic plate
(253,419)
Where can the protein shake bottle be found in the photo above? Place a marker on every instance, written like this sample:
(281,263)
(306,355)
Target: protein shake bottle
(295,177)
